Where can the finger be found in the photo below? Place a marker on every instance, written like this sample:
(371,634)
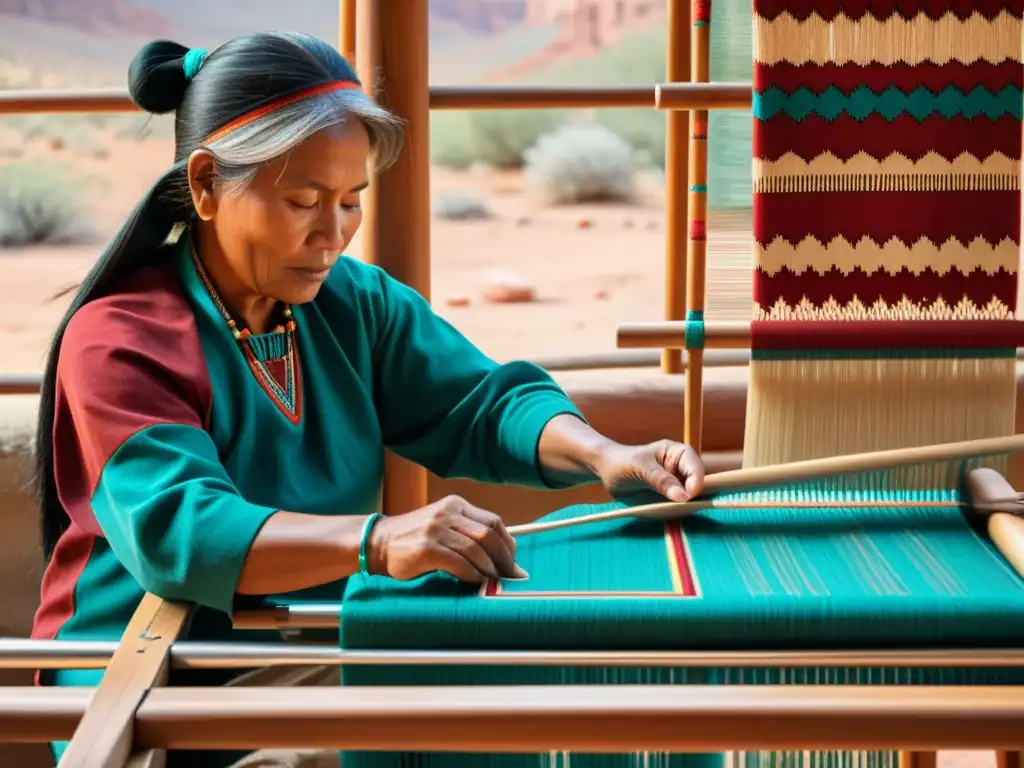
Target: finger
(666,483)
(493,522)
(683,462)
(445,559)
(459,542)
(492,543)
(691,468)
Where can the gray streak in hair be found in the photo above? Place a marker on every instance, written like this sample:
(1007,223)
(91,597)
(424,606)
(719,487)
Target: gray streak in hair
(245,150)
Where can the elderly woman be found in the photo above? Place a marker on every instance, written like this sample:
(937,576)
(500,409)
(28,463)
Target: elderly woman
(219,396)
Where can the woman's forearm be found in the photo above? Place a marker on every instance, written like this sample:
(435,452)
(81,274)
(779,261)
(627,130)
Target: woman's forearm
(569,450)
(294,551)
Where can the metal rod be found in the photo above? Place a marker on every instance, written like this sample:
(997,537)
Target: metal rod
(682,96)
(18,653)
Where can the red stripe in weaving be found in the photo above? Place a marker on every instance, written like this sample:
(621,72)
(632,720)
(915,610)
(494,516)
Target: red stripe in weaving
(698,230)
(702,10)
(883,9)
(686,581)
(845,136)
(924,288)
(909,216)
(876,334)
(906,77)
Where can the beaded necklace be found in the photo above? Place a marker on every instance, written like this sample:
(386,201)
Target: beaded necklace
(279,375)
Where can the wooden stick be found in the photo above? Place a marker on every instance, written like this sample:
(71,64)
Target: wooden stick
(671,510)
(104,737)
(784,474)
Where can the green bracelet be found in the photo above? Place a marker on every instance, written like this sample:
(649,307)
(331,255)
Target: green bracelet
(364,542)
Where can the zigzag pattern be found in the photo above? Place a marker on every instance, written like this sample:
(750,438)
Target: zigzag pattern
(895,173)
(887,159)
(871,41)
(890,103)
(905,309)
(891,257)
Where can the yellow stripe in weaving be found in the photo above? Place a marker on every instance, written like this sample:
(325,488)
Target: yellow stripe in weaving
(905,309)
(674,565)
(889,41)
(896,173)
(892,256)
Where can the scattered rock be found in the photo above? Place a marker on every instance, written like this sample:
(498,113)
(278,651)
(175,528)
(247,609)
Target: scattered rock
(508,288)
(601,294)
(458,301)
(584,224)
(523,221)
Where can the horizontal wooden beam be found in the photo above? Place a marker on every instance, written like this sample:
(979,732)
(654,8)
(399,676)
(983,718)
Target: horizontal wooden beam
(543,718)
(677,95)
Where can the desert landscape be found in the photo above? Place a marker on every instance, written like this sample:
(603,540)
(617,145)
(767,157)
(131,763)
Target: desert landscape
(587,264)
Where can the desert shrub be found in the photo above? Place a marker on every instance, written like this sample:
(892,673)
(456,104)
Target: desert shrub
(40,204)
(639,59)
(495,138)
(580,163)
(460,206)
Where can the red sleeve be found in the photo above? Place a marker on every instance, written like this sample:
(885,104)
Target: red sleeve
(127,361)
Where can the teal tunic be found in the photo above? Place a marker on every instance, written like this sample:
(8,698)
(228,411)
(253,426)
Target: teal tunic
(170,453)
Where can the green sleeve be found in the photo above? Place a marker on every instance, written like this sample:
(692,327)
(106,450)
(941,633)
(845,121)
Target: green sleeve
(173,517)
(445,405)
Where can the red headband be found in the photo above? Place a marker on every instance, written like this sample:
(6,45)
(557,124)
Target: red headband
(266,109)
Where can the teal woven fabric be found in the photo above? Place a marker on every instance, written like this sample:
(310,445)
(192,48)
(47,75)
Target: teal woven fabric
(729,579)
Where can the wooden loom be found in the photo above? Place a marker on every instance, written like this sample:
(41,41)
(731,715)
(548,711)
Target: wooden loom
(127,714)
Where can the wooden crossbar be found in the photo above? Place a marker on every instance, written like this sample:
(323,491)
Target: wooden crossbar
(525,719)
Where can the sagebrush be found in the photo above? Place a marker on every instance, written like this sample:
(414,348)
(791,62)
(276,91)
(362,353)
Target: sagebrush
(580,163)
(40,204)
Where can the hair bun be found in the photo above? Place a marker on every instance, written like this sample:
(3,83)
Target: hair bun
(156,77)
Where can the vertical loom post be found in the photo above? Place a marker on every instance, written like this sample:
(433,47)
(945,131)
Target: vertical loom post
(347,29)
(393,60)
(677,151)
(696,252)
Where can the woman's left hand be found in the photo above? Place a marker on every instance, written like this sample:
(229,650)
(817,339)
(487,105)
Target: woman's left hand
(672,469)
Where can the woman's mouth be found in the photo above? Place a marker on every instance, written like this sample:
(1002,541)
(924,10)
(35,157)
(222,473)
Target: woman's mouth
(313,275)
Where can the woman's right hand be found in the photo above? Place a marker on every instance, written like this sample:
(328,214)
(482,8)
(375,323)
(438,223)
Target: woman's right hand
(449,535)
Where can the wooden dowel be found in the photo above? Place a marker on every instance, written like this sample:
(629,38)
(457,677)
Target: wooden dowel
(673,96)
(542,718)
(786,474)
(672,335)
(677,162)
(523,719)
(799,471)
(671,510)
(687,95)
(347,30)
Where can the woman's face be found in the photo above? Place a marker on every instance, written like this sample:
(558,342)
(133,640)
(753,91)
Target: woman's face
(280,236)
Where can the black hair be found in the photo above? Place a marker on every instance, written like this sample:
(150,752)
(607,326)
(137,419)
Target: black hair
(241,76)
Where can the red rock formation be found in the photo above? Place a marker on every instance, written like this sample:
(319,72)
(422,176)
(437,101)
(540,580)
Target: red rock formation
(90,15)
